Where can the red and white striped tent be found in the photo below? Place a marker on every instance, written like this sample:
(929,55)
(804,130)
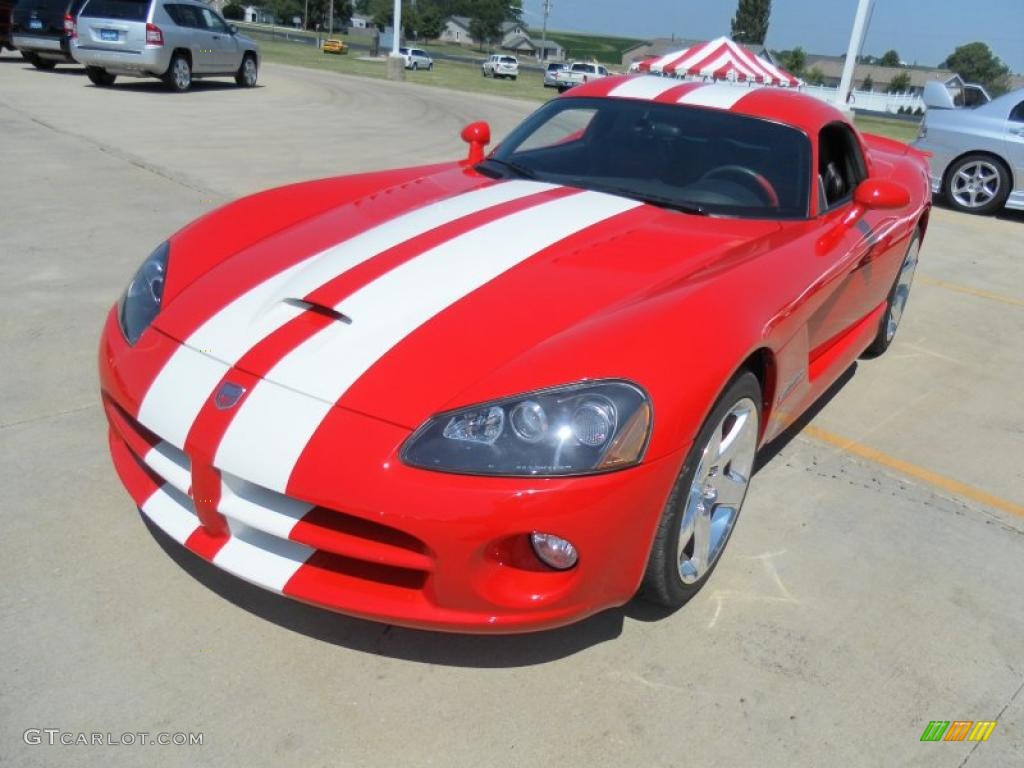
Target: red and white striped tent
(720,59)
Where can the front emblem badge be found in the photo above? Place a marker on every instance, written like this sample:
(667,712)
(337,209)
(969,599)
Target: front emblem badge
(228,395)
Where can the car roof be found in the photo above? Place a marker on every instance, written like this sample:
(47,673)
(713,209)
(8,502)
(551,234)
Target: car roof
(781,105)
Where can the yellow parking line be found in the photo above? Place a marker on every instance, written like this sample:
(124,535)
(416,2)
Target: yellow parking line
(947,484)
(972,291)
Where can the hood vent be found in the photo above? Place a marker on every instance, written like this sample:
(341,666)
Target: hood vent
(320,309)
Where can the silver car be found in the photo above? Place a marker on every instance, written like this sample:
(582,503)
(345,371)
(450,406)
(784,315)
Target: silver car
(174,40)
(416,58)
(977,160)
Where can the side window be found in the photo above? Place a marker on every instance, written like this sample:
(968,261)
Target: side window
(602,70)
(212,22)
(184,16)
(1017,113)
(840,166)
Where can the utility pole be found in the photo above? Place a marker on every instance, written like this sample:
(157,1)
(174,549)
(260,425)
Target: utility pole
(544,32)
(860,28)
(396,62)
(398,28)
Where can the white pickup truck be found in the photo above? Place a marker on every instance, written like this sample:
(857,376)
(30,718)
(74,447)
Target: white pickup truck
(580,72)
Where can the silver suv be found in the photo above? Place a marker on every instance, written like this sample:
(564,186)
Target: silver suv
(174,40)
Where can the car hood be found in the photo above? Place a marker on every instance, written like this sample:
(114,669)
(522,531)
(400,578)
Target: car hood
(403,303)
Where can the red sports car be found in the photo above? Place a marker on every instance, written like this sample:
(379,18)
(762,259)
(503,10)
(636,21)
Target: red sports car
(502,394)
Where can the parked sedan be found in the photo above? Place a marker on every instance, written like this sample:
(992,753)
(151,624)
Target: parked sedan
(977,160)
(504,393)
(43,30)
(174,40)
(416,58)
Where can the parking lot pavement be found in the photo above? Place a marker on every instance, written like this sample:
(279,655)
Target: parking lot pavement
(869,589)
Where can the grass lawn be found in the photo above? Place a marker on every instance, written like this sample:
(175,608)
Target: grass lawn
(466,77)
(901,130)
(446,74)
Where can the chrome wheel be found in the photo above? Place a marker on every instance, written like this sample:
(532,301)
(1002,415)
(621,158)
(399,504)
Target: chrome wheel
(182,74)
(717,492)
(976,184)
(902,290)
(249,71)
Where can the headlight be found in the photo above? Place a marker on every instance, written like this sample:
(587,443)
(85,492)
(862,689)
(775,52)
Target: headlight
(573,430)
(141,300)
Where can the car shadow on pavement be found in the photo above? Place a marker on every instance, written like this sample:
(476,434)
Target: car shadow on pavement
(457,650)
(147,85)
(777,445)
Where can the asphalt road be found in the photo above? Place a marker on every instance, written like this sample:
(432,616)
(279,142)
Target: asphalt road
(869,588)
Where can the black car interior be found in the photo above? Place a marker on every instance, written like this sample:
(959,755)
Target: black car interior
(723,162)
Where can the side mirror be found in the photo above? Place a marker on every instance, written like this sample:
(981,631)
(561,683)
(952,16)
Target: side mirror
(233,28)
(478,136)
(881,194)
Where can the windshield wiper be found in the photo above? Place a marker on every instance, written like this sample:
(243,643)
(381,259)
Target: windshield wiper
(516,169)
(657,200)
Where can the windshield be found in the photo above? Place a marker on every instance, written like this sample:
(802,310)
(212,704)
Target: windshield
(699,160)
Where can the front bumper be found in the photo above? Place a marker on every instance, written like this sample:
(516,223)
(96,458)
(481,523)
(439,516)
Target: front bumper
(360,533)
(151,60)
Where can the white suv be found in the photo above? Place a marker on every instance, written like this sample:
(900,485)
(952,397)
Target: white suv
(501,65)
(416,58)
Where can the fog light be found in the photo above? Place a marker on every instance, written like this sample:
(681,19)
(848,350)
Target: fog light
(554,550)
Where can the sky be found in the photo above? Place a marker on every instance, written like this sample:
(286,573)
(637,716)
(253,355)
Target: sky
(922,31)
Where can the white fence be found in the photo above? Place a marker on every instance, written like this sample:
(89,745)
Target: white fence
(874,101)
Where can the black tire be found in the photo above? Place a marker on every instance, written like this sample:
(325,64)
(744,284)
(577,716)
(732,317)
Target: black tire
(515,77)
(178,76)
(43,64)
(415,66)
(990,199)
(430,67)
(248,72)
(662,583)
(889,324)
(100,77)
(31,58)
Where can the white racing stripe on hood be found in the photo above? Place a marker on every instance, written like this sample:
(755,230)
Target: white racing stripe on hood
(178,393)
(273,425)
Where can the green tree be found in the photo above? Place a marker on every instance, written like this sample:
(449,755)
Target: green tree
(750,24)
(234,12)
(890,59)
(428,22)
(487,16)
(868,84)
(976,63)
(815,77)
(793,61)
(900,83)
